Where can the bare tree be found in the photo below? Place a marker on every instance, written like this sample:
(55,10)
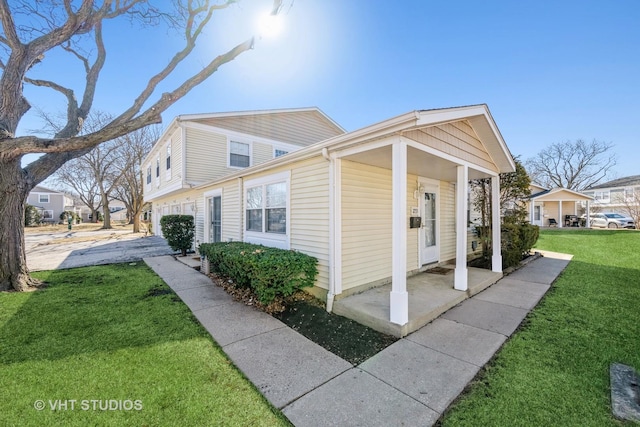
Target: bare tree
(630,200)
(30,31)
(133,148)
(76,176)
(572,165)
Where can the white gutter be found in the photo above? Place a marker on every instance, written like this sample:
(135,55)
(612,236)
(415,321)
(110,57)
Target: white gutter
(332,272)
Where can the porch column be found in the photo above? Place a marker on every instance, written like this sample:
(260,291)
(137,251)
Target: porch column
(460,281)
(560,218)
(588,223)
(496,258)
(399,298)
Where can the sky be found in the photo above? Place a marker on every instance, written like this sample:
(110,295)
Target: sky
(549,71)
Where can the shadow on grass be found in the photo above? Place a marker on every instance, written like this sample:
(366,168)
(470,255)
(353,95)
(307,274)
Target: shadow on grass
(92,309)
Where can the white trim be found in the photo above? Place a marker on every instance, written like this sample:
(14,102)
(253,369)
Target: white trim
(458,161)
(433,184)
(366,147)
(43,201)
(49,219)
(461,277)
(399,298)
(183,149)
(496,258)
(337,226)
(178,185)
(207,215)
(264,238)
(239,141)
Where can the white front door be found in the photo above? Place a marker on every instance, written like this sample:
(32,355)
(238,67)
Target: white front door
(429,232)
(537,215)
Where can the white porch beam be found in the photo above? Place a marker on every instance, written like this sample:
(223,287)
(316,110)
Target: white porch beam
(461,277)
(496,258)
(399,298)
(560,218)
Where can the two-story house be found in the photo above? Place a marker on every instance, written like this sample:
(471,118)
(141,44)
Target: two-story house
(374,206)
(50,203)
(616,196)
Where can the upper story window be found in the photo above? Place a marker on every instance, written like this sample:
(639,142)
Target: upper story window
(158,167)
(239,155)
(630,194)
(602,196)
(169,156)
(149,175)
(43,198)
(277,152)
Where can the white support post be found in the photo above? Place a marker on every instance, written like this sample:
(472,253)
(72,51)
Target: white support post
(587,224)
(399,298)
(461,277)
(496,258)
(560,218)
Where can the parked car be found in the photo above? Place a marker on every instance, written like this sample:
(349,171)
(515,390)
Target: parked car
(610,220)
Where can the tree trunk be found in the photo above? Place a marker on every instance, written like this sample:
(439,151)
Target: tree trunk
(94,216)
(106,217)
(14,189)
(136,222)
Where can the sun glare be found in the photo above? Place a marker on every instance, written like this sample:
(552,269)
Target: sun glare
(270,26)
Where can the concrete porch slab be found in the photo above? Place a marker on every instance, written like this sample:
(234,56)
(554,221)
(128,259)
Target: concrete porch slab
(357,398)
(430,295)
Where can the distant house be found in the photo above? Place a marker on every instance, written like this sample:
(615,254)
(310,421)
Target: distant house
(50,203)
(373,205)
(615,196)
(557,207)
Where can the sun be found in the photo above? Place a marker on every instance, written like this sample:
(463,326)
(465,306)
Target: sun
(270,26)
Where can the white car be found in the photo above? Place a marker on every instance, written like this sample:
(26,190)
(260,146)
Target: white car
(611,220)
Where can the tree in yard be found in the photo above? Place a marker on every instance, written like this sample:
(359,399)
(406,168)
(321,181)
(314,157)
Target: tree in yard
(76,176)
(133,147)
(631,204)
(31,31)
(573,165)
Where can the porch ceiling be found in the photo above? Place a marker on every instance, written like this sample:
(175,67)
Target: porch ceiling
(418,163)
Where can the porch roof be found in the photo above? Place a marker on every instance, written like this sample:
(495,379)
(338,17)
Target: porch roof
(558,194)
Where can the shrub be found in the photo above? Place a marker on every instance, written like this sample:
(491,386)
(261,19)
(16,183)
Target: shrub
(517,241)
(64,216)
(179,230)
(31,215)
(270,272)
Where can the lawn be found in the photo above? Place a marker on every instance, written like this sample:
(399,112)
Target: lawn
(555,370)
(118,336)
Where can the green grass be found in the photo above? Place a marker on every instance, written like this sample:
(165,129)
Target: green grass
(116,333)
(555,370)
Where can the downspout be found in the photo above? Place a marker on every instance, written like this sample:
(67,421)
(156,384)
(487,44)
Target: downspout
(331,293)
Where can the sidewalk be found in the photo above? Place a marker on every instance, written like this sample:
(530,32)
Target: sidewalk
(411,382)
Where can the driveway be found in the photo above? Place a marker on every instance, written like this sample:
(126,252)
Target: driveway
(69,249)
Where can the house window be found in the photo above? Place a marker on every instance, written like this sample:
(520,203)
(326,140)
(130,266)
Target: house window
(278,153)
(175,209)
(629,194)
(168,156)
(239,155)
(149,175)
(602,196)
(43,198)
(158,167)
(47,214)
(267,201)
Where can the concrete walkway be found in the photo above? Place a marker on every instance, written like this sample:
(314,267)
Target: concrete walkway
(411,382)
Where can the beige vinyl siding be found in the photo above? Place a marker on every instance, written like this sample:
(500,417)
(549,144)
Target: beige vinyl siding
(261,153)
(366,224)
(231,211)
(447,221)
(296,127)
(206,155)
(457,139)
(309,205)
(413,245)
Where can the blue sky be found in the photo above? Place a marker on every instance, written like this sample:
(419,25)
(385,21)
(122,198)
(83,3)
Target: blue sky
(550,71)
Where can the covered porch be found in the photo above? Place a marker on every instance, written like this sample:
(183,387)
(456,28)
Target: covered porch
(430,295)
(400,206)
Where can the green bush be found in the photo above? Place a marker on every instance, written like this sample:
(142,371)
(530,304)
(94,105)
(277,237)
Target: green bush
(179,230)
(270,272)
(517,241)
(31,215)
(64,216)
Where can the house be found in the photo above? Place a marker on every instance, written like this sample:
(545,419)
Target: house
(556,207)
(50,203)
(373,206)
(617,196)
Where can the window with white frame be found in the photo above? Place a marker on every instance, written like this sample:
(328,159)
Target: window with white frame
(169,157)
(175,209)
(43,198)
(278,152)
(239,154)
(149,175)
(158,167)
(47,214)
(630,193)
(602,196)
(267,203)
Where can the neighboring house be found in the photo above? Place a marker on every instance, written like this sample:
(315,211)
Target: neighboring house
(50,203)
(345,198)
(558,207)
(616,196)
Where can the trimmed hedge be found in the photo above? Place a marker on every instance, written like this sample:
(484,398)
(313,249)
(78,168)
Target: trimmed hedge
(517,241)
(179,230)
(270,272)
